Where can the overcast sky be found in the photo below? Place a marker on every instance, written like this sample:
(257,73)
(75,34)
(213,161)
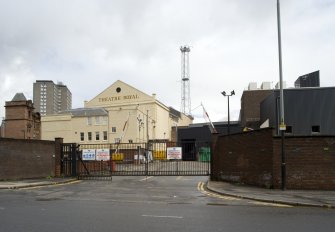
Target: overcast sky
(89,44)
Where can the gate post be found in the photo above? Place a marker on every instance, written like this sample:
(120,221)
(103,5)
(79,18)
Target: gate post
(58,152)
(74,160)
(214,163)
(138,161)
(146,158)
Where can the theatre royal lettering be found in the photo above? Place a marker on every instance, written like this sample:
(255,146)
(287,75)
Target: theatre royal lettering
(118,98)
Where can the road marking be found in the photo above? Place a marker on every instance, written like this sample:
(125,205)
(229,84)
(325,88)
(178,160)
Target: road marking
(199,184)
(50,185)
(72,182)
(146,178)
(179,177)
(162,216)
(210,194)
(270,204)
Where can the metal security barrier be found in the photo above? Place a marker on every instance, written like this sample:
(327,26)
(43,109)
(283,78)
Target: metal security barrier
(102,161)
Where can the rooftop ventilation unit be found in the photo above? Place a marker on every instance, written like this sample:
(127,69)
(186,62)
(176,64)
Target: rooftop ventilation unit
(252,86)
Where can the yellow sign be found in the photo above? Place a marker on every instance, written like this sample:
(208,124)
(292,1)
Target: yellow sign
(282,127)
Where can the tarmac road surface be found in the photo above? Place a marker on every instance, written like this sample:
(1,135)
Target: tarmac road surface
(179,203)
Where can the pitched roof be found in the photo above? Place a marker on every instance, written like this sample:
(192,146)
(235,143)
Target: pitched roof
(19,97)
(82,112)
(174,112)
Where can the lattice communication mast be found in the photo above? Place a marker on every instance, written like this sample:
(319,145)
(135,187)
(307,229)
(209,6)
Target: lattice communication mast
(185,80)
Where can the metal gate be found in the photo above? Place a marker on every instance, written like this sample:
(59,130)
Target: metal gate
(92,161)
(69,154)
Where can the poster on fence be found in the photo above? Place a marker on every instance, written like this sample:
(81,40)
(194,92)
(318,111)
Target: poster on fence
(174,153)
(102,154)
(88,154)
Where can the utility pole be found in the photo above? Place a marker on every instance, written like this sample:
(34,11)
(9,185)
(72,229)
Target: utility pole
(282,126)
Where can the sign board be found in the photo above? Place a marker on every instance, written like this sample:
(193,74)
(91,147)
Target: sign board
(102,154)
(174,153)
(282,127)
(88,154)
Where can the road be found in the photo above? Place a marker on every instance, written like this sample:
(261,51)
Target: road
(149,204)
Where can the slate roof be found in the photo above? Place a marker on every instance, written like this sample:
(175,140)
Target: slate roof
(86,112)
(19,97)
(174,112)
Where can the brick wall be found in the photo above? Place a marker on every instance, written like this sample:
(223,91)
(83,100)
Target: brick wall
(244,158)
(21,159)
(310,162)
(254,158)
(250,107)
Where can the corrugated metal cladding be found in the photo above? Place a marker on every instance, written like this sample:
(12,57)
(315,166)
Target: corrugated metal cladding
(201,132)
(307,110)
(308,80)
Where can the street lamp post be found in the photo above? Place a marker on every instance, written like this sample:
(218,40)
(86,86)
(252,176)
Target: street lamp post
(228,95)
(282,126)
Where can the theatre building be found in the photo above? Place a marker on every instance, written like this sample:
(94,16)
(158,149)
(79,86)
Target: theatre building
(120,113)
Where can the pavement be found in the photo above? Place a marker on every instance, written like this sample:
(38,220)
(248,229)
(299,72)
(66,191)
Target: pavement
(28,183)
(308,198)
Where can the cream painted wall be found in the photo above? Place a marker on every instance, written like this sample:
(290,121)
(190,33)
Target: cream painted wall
(185,120)
(119,94)
(118,118)
(162,125)
(69,128)
(56,126)
(134,115)
(79,124)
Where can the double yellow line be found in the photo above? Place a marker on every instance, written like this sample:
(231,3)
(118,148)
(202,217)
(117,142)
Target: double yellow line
(201,188)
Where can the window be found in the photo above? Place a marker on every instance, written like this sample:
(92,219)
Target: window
(89,135)
(89,121)
(113,129)
(97,135)
(130,141)
(117,140)
(97,120)
(104,120)
(105,135)
(82,136)
(315,129)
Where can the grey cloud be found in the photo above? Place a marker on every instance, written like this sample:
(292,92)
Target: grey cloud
(90,44)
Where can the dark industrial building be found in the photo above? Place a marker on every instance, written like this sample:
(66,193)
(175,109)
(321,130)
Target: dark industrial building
(308,111)
(308,80)
(201,132)
(195,139)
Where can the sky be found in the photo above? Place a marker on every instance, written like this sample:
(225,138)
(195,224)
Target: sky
(90,44)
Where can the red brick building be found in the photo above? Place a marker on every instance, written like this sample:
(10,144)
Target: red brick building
(250,107)
(21,122)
